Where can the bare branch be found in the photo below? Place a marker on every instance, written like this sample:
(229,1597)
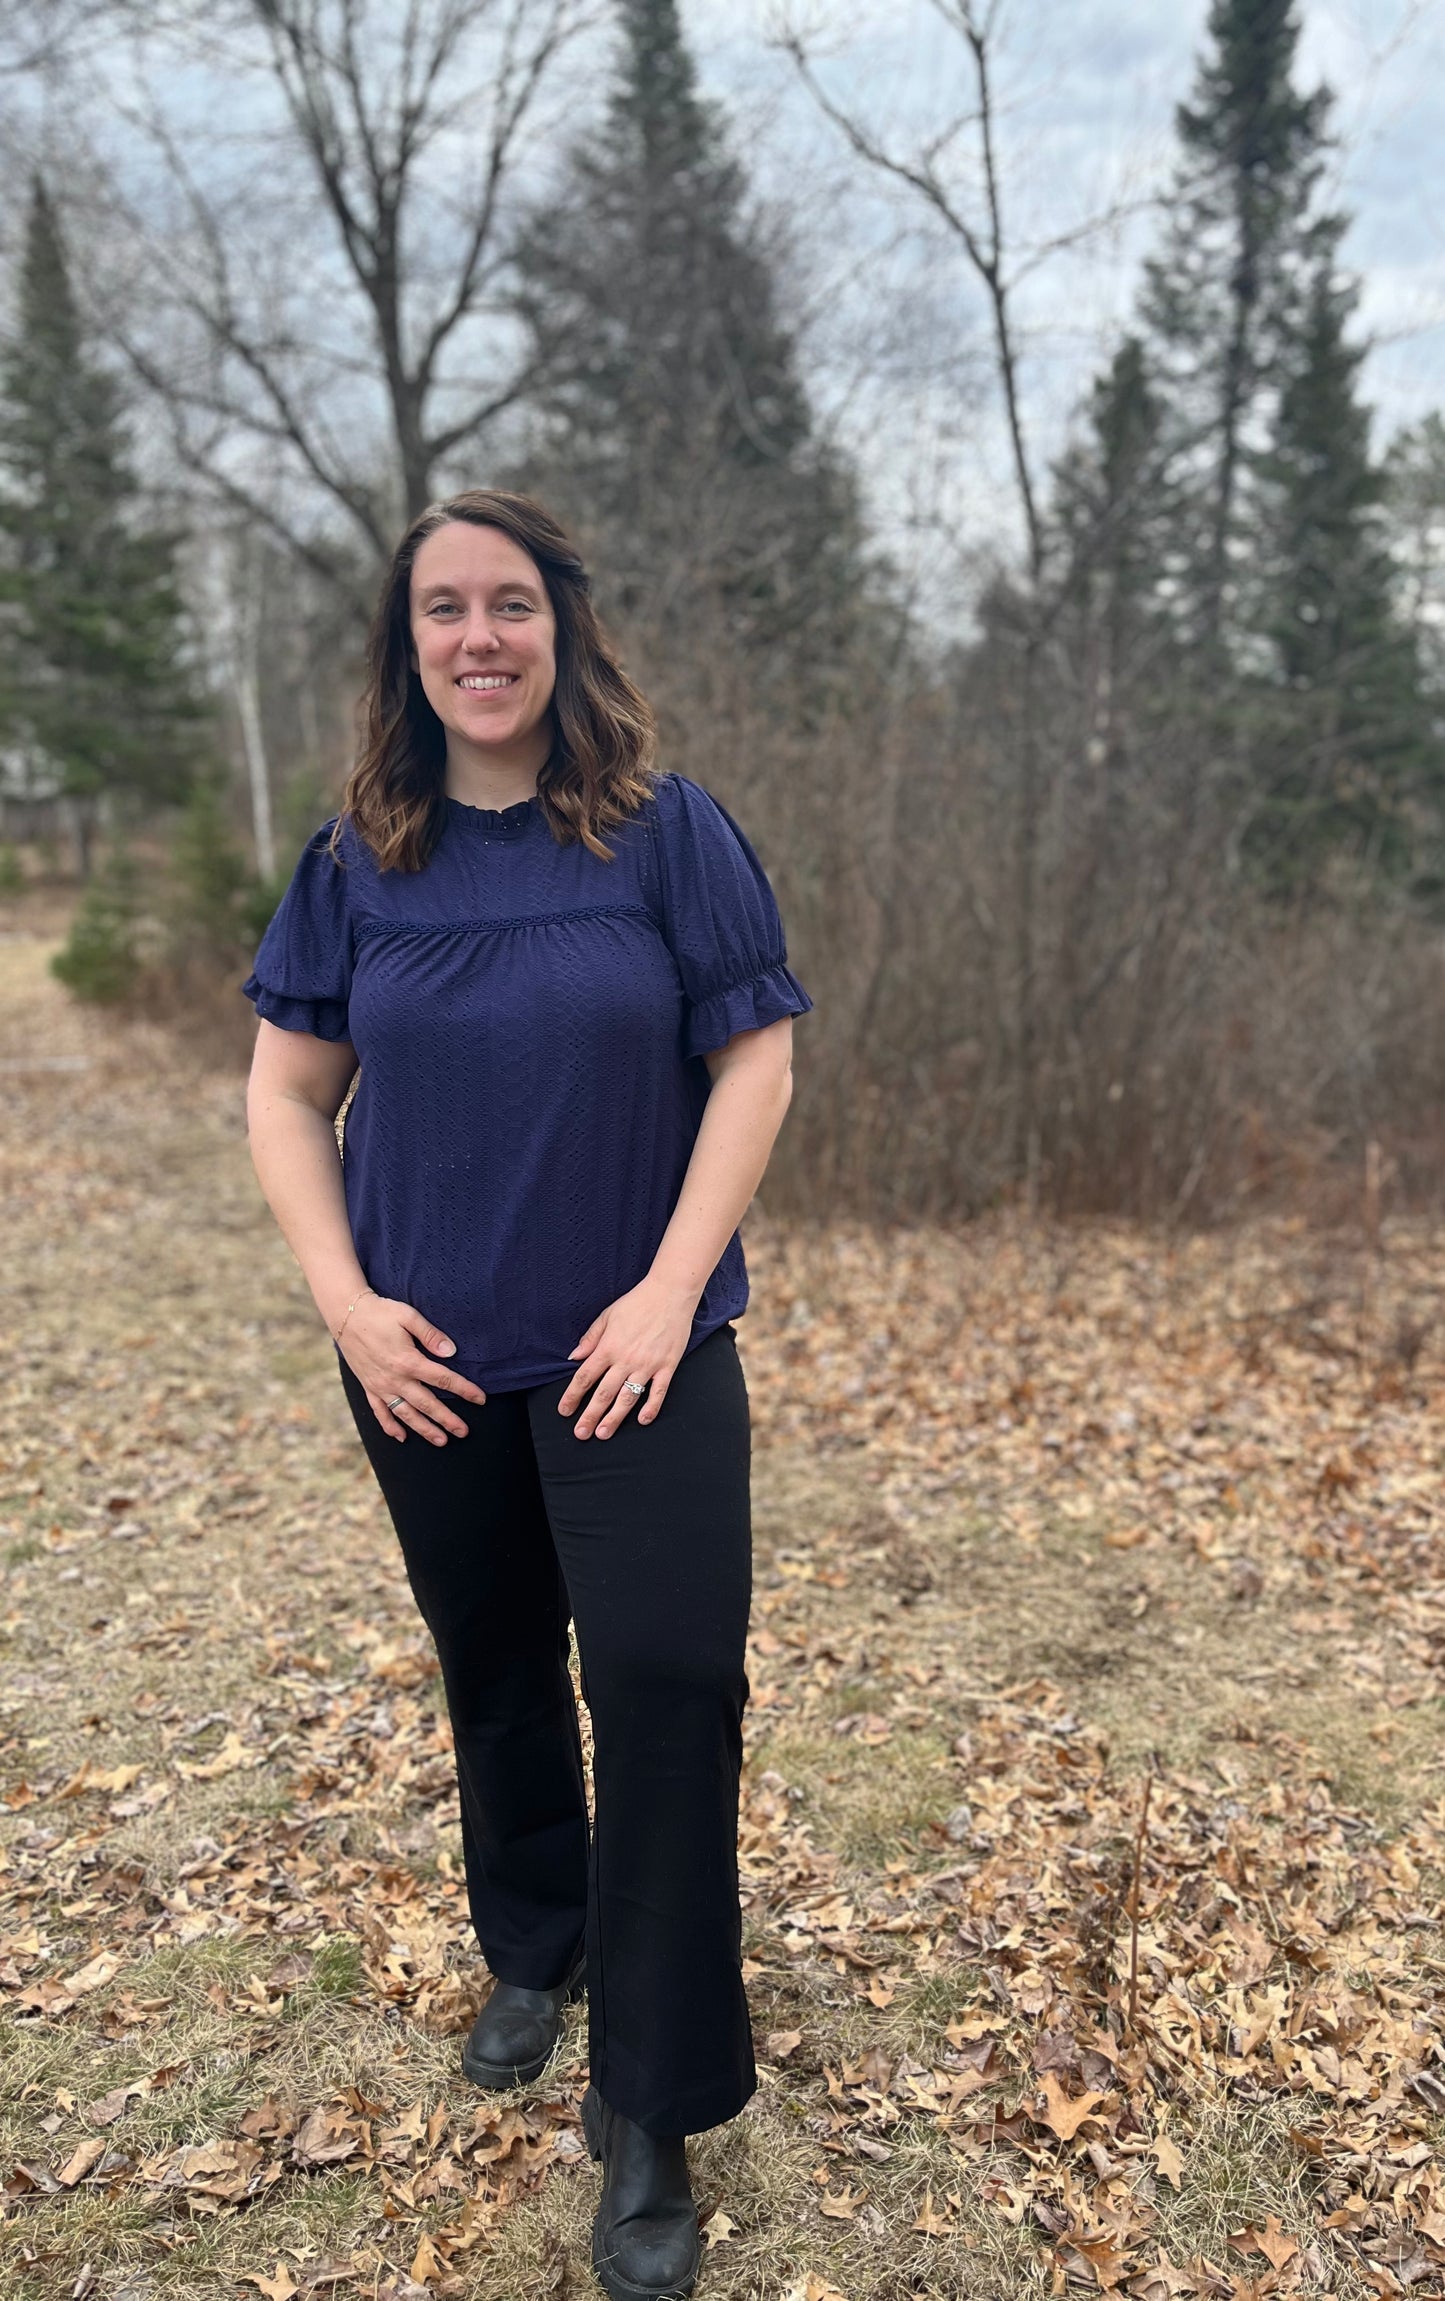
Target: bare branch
(510,112)
(982,244)
(365,90)
(38,35)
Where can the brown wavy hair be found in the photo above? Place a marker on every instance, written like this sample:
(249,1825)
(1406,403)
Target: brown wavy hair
(604,743)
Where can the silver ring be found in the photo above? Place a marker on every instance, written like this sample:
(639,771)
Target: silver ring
(393,1403)
(636,1388)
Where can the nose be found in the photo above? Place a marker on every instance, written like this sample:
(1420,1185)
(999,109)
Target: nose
(479,637)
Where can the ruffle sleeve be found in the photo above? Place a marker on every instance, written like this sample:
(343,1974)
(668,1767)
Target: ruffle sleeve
(302,975)
(720,921)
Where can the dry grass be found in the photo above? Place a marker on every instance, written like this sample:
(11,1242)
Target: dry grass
(193,1550)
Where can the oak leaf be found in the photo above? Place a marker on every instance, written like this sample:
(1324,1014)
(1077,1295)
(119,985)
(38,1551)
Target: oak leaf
(428,2264)
(931,2222)
(1062,2115)
(844,2205)
(279,2286)
(1167,2158)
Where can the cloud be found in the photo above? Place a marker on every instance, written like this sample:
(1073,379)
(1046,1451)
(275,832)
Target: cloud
(1087,95)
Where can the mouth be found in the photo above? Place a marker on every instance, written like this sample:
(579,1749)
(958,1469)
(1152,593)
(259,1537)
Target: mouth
(487,682)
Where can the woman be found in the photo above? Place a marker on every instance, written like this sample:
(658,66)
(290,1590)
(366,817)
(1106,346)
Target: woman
(563,976)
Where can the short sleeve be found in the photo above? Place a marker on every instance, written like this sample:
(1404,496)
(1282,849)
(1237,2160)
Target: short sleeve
(720,920)
(302,975)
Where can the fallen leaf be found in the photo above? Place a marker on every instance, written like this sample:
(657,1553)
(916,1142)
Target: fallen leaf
(1276,2247)
(718,2228)
(1062,2115)
(782,2042)
(844,2206)
(101,1969)
(221,2169)
(110,1780)
(428,2264)
(876,2069)
(930,2221)
(144,1802)
(231,1758)
(1271,2241)
(114,2105)
(1167,2158)
(1031,1992)
(279,2286)
(325,2138)
(1255,1952)
(410,2126)
(87,2154)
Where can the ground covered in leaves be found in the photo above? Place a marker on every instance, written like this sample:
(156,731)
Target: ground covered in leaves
(1093,1830)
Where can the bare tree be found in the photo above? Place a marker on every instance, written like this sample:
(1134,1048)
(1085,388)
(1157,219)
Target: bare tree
(314,327)
(39,35)
(233,576)
(973,218)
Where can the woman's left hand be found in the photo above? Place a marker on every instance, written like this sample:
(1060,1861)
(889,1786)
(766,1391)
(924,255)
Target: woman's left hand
(638,1338)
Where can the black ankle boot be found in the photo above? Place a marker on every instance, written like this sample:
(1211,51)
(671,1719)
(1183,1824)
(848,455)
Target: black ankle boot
(515,2034)
(644,2240)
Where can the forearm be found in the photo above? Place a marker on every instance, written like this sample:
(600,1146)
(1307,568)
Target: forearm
(298,1165)
(745,1109)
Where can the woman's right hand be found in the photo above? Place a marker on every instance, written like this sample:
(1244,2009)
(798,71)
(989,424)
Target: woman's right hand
(380,1347)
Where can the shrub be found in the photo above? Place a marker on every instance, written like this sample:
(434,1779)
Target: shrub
(100,960)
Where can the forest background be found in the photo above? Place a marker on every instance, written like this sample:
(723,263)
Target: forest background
(988,466)
(1099,765)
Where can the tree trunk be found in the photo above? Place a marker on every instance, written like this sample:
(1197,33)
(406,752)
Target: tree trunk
(80,811)
(258,771)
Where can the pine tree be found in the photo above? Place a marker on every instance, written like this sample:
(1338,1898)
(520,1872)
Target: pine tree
(1220,294)
(1255,514)
(676,428)
(94,695)
(1111,510)
(1415,512)
(1107,542)
(1357,751)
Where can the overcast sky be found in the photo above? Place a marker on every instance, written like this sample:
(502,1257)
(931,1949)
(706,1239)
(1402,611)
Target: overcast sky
(895,329)
(1088,89)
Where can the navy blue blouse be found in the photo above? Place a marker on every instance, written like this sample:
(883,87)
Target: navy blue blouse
(528,1021)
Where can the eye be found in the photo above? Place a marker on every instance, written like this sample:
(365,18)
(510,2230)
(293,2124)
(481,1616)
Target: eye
(443,607)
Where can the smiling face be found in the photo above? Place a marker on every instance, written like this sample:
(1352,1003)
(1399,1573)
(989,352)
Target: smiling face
(484,644)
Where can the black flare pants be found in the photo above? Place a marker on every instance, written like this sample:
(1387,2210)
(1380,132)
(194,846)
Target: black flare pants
(644,1540)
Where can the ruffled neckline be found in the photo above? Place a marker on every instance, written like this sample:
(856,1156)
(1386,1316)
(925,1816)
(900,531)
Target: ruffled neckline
(495,822)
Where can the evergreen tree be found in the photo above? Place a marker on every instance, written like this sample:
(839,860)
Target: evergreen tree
(675,426)
(1108,540)
(1355,751)
(94,696)
(1111,513)
(1221,295)
(1229,452)
(1415,512)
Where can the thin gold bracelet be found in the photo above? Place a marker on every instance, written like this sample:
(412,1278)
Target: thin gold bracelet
(341,1329)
